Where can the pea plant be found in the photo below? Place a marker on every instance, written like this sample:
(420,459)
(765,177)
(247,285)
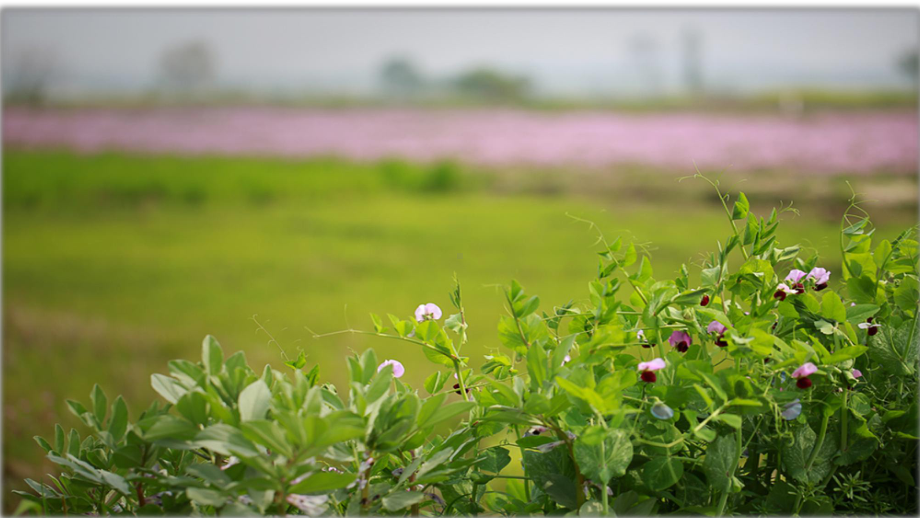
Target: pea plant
(753,385)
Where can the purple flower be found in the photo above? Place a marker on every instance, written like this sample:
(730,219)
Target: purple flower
(427,312)
(807,369)
(680,340)
(715,327)
(857,373)
(820,276)
(398,369)
(795,276)
(802,373)
(791,410)
(567,359)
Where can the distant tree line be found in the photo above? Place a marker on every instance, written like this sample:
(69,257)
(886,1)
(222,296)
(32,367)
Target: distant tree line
(402,80)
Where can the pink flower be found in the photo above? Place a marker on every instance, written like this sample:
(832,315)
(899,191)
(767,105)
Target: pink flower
(398,369)
(680,340)
(647,370)
(651,366)
(427,311)
(805,370)
(795,276)
(857,373)
(820,276)
(715,327)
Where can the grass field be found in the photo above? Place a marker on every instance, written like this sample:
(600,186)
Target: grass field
(114,264)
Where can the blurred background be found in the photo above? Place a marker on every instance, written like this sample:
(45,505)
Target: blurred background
(173,173)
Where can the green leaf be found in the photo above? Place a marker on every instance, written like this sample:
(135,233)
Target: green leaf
(435,382)
(254,401)
(795,456)
(720,462)
(194,407)
(645,270)
(300,362)
(169,388)
(172,427)
(446,412)
(427,331)
(832,308)
(378,324)
(212,356)
(710,276)
(730,419)
(662,472)
(58,439)
(429,407)
(119,422)
(630,258)
(100,403)
(226,440)
(882,251)
(536,367)
(402,499)
(206,496)
(553,473)
(323,481)
(741,207)
(44,444)
(847,353)
(73,443)
(494,459)
(907,294)
(824,327)
(860,312)
(862,289)
(268,434)
(705,433)
(605,460)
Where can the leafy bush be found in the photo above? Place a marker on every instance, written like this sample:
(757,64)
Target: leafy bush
(752,387)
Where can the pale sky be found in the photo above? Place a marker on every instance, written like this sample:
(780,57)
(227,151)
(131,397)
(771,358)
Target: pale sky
(563,51)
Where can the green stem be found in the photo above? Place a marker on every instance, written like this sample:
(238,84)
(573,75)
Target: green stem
(724,498)
(728,213)
(843,422)
(604,501)
(466,397)
(822,432)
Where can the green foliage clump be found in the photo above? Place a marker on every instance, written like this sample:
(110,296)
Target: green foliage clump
(750,387)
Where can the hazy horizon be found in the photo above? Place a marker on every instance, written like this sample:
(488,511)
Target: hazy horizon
(586,52)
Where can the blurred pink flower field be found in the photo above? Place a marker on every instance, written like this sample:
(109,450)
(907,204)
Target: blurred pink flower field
(855,142)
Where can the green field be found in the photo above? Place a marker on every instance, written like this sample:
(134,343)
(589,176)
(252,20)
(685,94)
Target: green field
(114,264)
